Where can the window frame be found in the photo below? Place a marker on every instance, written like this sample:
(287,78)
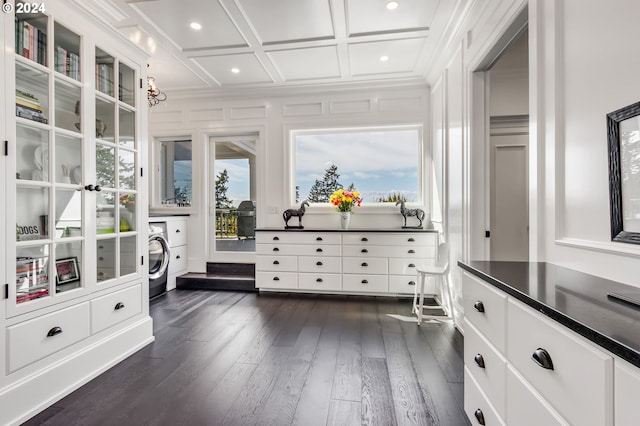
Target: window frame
(155,201)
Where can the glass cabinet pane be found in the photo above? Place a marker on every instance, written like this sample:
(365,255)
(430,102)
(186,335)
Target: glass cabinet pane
(32,273)
(127,212)
(126,84)
(104,72)
(105,120)
(105,166)
(128,255)
(68,167)
(68,267)
(105,212)
(31,33)
(32,213)
(66,52)
(126,169)
(32,154)
(106,255)
(32,94)
(67,106)
(68,213)
(126,134)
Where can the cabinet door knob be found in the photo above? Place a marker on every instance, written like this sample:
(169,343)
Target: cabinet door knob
(319,250)
(318,263)
(54,331)
(411,283)
(98,188)
(364,264)
(479,416)
(479,306)
(319,239)
(364,282)
(479,360)
(412,265)
(178,256)
(411,240)
(364,251)
(275,262)
(276,239)
(177,231)
(319,280)
(118,306)
(276,278)
(89,187)
(364,239)
(276,249)
(412,251)
(542,358)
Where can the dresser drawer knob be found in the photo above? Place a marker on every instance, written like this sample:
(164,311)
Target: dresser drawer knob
(118,306)
(319,250)
(479,306)
(177,257)
(318,280)
(479,416)
(411,240)
(318,263)
(364,239)
(479,359)
(276,278)
(542,358)
(54,331)
(275,262)
(364,264)
(364,251)
(276,239)
(276,249)
(412,265)
(177,231)
(411,283)
(365,282)
(411,251)
(319,239)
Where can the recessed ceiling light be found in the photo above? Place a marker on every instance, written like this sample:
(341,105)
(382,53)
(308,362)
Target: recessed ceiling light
(384,58)
(195,25)
(235,70)
(392,4)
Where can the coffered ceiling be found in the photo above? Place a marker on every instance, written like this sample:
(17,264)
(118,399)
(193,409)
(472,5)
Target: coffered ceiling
(281,43)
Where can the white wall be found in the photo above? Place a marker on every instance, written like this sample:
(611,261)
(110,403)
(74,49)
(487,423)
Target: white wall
(273,115)
(577,76)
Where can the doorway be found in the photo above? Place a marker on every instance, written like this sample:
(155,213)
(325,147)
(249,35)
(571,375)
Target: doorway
(232,195)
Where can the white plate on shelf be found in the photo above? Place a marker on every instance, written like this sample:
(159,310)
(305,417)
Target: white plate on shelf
(76,174)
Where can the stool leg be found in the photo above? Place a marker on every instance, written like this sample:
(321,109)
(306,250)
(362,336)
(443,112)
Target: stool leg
(446,283)
(420,306)
(415,296)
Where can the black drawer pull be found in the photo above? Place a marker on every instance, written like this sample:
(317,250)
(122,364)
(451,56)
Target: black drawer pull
(318,280)
(177,257)
(479,416)
(411,251)
(411,283)
(276,249)
(319,250)
(177,231)
(479,306)
(276,239)
(364,264)
(275,262)
(364,251)
(118,306)
(54,331)
(319,239)
(411,240)
(318,263)
(411,265)
(542,358)
(479,359)
(276,279)
(100,258)
(364,282)
(364,239)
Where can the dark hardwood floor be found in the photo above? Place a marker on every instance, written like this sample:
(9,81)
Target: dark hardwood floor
(230,358)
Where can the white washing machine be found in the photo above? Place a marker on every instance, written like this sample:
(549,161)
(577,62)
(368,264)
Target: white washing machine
(159,255)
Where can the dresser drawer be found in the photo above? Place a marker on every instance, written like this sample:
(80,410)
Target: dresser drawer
(28,341)
(525,407)
(290,237)
(476,405)
(277,263)
(298,249)
(405,284)
(177,232)
(420,252)
(390,239)
(325,282)
(282,280)
(580,384)
(627,389)
(363,265)
(487,367)
(178,262)
(365,283)
(115,307)
(486,309)
(319,264)
(405,266)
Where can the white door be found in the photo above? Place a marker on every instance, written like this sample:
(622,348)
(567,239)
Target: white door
(509,197)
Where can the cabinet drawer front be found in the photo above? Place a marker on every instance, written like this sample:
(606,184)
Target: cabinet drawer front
(405,284)
(277,280)
(359,250)
(479,296)
(177,232)
(627,389)
(327,282)
(284,237)
(580,384)
(319,264)
(115,307)
(390,239)
(28,341)
(475,403)
(298,249)
(365,283)
(487,367)
(364,265)
(405,266)
(526,406)
(277,263)
(178,262)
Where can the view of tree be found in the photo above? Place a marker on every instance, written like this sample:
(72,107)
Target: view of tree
(392,198)
(322,189)
(222,199)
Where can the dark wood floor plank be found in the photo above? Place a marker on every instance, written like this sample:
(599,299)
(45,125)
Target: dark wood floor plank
(288,336)
(387,323)
(347,380)
(343,413)
(377,398)
(448,357)
(372,344)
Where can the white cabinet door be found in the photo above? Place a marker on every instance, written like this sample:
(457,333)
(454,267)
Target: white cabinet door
(627,390)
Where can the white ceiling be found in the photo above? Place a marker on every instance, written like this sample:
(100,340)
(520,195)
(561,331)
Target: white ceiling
(281,43)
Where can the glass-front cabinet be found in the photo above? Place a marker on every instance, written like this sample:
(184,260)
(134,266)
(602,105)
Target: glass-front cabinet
(77,171)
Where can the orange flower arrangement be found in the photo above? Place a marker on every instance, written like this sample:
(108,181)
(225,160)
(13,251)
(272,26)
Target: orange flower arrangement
(345,201)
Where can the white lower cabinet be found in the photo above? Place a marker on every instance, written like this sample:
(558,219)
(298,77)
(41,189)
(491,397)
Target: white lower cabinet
(115,307)
(627,390)
(476,405)
(525,406)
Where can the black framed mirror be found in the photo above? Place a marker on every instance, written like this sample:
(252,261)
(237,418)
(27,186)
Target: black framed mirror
(623,130)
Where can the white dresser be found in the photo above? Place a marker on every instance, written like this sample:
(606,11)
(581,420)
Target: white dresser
(177,239)
(331,261)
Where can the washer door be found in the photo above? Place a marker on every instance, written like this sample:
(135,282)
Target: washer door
(158,256)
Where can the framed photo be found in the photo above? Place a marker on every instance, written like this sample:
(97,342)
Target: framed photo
(67,270)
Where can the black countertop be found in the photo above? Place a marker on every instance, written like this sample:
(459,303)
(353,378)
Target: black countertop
(576,300)
(345,230)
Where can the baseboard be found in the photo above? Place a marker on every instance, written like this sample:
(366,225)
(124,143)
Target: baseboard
(25,398)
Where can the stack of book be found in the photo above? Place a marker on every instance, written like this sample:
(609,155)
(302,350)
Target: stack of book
(67,63)
(32,278)
(28,106)
(104,78)
(31,42)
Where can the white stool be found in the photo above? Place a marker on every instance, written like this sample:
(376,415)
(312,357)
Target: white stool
(439,270)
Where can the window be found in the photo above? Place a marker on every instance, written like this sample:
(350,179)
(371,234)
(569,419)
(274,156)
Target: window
(175,173)
(383,163)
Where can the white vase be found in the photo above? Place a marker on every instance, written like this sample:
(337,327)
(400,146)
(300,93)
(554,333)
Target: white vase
(345,218)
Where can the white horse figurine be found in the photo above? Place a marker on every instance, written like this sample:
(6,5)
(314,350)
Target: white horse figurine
(405,212)
(289,213)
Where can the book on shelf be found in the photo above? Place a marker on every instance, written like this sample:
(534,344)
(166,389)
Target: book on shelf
(24,297)
(31,41)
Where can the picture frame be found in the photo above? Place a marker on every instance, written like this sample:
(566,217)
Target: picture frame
(67,270)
